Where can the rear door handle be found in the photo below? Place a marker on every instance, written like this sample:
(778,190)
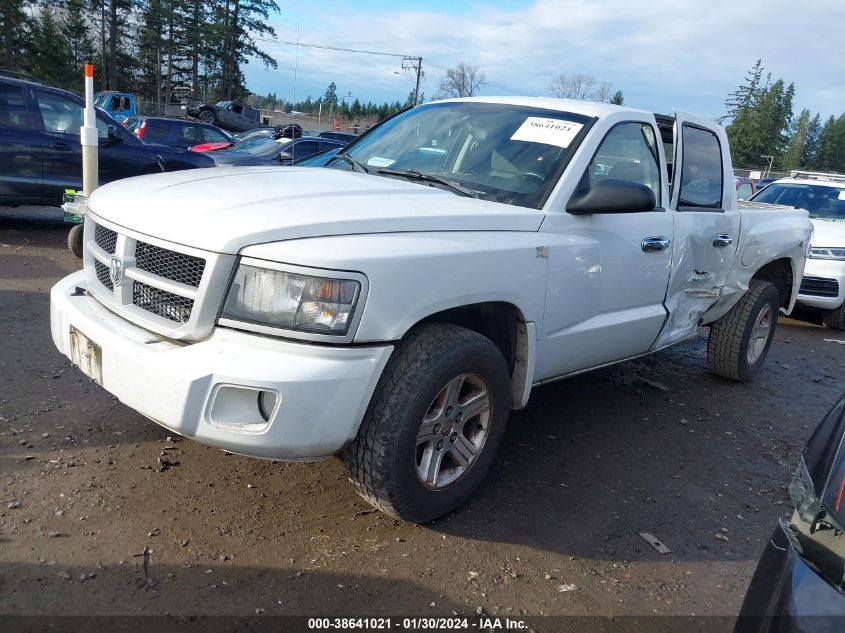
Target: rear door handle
(62,147)
(655,244)
(723,240)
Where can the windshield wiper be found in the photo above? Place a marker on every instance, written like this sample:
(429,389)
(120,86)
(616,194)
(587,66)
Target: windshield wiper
(356,166)
(413,174)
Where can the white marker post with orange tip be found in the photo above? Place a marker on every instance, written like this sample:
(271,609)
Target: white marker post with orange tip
(88,137)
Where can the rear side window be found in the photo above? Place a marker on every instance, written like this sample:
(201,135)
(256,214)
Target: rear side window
(213,136)
(701,169)
(12,108)
(305,148)
(156,132)
(189,134)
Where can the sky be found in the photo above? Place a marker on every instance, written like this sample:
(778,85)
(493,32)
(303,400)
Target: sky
(663,54)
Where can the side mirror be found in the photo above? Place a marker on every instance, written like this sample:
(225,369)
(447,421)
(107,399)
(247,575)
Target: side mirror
(285,156)
(613,196)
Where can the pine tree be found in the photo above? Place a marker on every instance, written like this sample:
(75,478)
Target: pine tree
(15,32)
(831,154)
(331,94)
(797,144)
(617,98)
(49,57)
(811,143)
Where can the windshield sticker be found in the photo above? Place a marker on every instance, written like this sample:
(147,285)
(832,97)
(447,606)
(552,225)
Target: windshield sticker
(556,132)
(378,161)
(842,195)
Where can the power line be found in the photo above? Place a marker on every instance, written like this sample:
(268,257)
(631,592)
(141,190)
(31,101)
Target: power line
(329,48)
(487,82)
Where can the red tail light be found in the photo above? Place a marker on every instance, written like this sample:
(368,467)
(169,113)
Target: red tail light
(141,129)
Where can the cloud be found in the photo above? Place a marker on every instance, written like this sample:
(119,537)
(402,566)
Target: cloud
(663,54)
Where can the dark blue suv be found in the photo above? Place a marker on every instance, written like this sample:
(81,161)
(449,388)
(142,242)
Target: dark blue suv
(40,154)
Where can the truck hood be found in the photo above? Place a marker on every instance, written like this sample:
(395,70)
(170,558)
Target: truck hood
(227,208)
(828,232)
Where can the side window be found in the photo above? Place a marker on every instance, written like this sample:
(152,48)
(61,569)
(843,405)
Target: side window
(213,136)
(190,134)
(59,113)
(156,132)
(743,192)
(701,169)
(306,148)
(628,152)
(12,108)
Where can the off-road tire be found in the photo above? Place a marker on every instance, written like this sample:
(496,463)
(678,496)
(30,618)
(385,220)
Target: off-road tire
(381,461)
(207,116)
(74,239)
(730,336)
(834,319)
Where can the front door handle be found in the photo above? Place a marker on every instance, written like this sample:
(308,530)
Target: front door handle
(655,244)
(62,147)
(723,240)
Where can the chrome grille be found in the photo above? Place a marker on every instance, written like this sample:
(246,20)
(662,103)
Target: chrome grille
(105,239)
(164,304)
(158,287)
(103,275)
(169,264)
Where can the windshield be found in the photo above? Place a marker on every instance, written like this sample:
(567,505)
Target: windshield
(504,153)
(821,201)
(262,146)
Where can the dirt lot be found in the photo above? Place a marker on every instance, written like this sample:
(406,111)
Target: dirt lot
(554,530)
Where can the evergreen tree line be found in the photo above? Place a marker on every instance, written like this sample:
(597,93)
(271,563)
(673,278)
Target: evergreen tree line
(762,124)
(143,46)
(330,105)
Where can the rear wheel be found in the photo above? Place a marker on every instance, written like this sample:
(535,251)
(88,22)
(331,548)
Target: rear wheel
(740,340)
(207,116)
(434,423)
(74,239)
(835,319)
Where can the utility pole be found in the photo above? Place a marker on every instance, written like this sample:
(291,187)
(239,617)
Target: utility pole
(414,64)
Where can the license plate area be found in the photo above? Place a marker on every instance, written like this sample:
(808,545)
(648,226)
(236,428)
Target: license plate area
(87,355)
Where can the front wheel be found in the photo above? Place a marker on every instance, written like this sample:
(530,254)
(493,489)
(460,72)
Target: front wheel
(434,423)
(740,340)
(835,319)
(74,239)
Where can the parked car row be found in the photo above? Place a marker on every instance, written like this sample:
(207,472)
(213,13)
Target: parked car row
(40,152)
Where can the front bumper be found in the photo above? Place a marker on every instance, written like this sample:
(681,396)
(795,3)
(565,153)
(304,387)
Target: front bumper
(830,271)
(786,595)
(209,390)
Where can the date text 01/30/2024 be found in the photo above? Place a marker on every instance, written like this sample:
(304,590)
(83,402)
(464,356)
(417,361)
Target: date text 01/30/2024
(482,623)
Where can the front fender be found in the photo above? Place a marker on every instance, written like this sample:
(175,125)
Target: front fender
(414,275)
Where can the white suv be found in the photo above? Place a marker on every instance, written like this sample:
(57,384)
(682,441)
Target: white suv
(823,195)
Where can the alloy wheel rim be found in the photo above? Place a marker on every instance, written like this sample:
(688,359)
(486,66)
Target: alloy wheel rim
(453,431)
(760,334)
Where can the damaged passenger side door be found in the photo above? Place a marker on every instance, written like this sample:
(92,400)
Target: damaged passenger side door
(707,224)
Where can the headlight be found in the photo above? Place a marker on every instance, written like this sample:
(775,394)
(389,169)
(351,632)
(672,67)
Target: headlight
(291,301)
(820,252)
(803,494)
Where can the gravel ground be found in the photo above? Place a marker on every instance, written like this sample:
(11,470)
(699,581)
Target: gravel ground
(104,512)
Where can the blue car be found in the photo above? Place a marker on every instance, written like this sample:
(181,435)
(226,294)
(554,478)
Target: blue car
(265,150)
(40,153)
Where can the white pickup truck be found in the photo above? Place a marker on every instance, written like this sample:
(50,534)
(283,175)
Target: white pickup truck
(394,306)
